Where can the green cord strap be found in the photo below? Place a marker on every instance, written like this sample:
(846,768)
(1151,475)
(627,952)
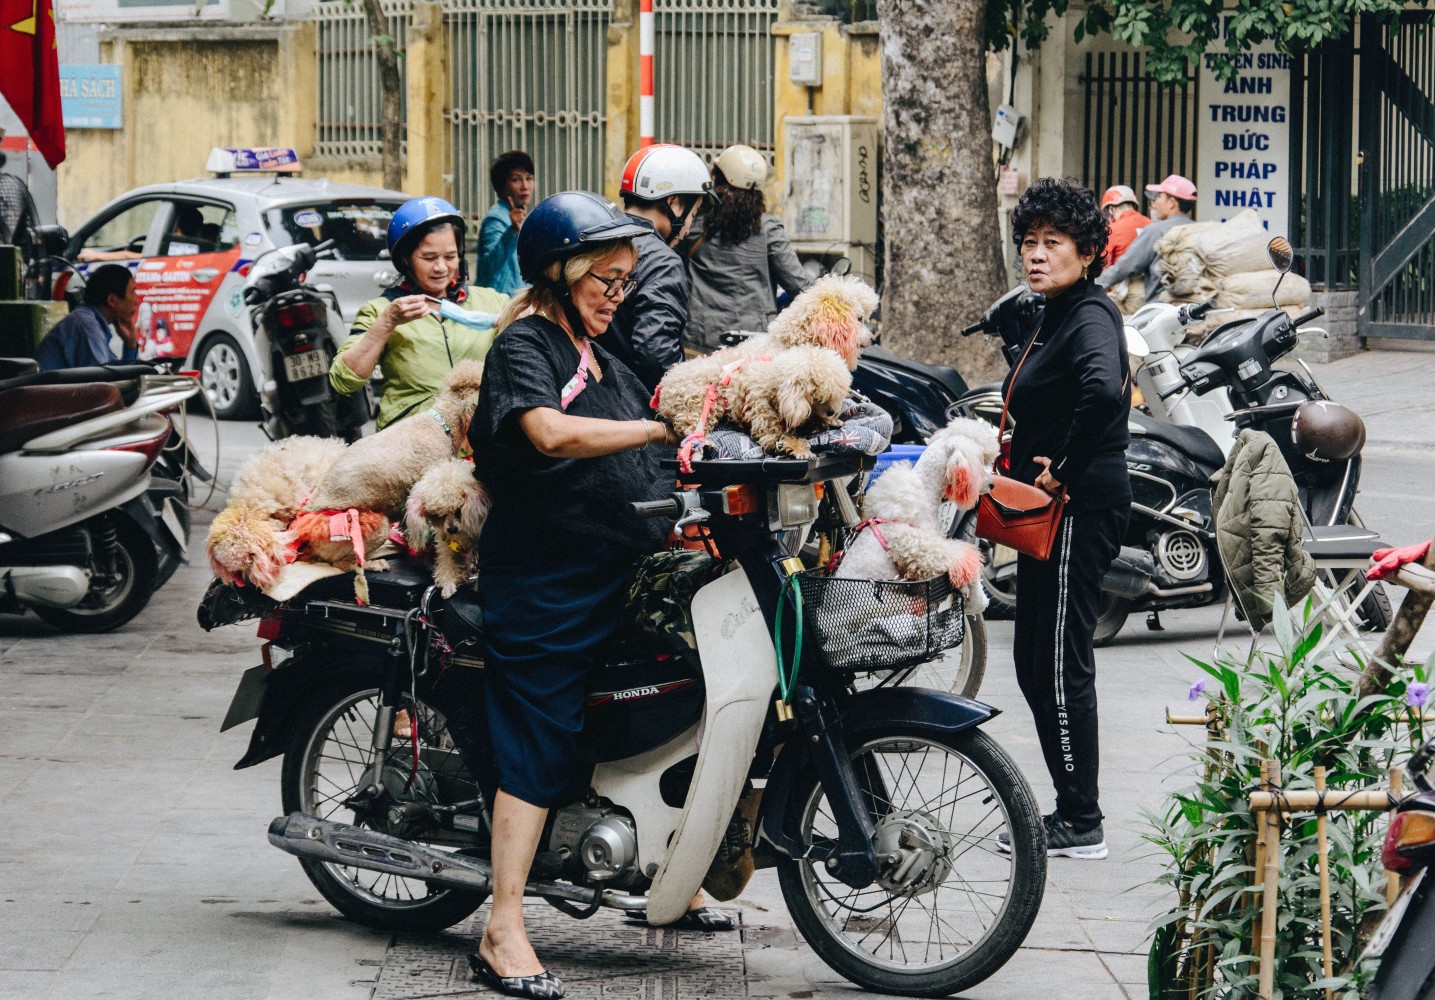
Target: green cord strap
(787,680)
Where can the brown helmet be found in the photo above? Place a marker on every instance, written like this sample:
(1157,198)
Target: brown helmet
(1325,431)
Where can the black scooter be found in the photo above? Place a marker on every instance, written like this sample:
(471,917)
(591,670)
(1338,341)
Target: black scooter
(298,333)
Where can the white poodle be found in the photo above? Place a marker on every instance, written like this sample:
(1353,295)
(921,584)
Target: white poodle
(901,538)
(446,509)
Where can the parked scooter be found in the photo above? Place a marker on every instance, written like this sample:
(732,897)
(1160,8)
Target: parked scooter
(1402,941)
(86,531)
(879,812)
(298,334)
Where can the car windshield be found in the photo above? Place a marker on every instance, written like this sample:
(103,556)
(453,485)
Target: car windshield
(358,228)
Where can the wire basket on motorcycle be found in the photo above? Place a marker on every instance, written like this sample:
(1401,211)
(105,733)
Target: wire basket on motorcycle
(865,626)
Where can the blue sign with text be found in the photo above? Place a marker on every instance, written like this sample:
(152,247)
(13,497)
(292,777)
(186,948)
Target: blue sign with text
(90,96)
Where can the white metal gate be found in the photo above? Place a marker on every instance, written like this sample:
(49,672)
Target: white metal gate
(530,75)
(349,97)
(712,71)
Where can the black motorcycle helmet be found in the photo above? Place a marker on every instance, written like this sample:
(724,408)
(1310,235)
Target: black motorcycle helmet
(1326,431)
(567,224)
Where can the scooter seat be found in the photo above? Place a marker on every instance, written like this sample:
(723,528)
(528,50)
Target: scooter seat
(948,377)
(33,410)
(1192,442)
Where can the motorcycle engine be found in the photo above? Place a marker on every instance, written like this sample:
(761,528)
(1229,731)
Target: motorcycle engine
(1180,556)
(604,842)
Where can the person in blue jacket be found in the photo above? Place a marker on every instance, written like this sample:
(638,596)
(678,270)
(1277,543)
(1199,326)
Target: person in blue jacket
(83,337)
(512,178)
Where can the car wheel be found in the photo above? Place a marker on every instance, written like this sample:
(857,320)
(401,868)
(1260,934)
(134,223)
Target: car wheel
(227,383)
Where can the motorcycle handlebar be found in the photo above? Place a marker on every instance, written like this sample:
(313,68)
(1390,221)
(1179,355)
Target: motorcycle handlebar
(655,508)
(977,327)
(1305,318)
(1200,309)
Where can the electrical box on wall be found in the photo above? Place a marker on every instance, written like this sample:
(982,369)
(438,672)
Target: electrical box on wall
(832,165)
(804,58)
(1007,123)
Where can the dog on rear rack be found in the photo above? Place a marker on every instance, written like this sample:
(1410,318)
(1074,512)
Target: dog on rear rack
(902,537)
(447,509)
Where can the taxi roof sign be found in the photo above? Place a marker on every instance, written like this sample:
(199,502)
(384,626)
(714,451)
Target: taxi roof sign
(268,160)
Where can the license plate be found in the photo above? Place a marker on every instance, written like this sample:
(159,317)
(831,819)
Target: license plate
(1385,933)
(247,698)
(310,364)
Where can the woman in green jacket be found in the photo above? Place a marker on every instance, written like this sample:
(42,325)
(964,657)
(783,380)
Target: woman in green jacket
(432,319)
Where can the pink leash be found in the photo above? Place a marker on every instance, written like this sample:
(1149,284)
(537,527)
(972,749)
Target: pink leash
(699,434)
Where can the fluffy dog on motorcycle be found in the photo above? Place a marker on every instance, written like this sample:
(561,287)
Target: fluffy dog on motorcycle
(249,539)
(446,509)
(905,540)
(774,398)
(376,473)
(831,313)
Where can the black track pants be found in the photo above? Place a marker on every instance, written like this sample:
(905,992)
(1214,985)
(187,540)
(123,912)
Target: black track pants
(1057,604)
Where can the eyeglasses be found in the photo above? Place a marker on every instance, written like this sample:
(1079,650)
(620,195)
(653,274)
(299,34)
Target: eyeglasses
(615,288)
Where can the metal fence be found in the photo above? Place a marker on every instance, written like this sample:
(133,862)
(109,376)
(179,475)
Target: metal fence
(713,66)
(1136,129)
(530,75)
(349,97)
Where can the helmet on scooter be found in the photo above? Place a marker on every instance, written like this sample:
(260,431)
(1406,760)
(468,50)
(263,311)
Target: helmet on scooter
(1326,431)
(742,166)
(414,220)
(567,224)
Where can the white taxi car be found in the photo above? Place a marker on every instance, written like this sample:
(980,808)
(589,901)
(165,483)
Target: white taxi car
(191,244)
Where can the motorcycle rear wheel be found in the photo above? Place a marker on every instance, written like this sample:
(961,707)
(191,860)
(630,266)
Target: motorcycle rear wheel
(999,579)
(322,769)
(121,583)
(939,803)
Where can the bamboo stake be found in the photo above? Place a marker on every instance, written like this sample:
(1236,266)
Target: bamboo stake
(1377,799)
(1268,902)
(1323,857)
(1392,879)
(1258,863)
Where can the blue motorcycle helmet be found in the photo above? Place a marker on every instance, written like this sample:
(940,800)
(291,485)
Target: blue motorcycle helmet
(414,220)
(567,224)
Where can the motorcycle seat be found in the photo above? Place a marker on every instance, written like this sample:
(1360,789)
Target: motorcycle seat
(462,618)
(948,377)
(1192,442)
(88,375)
(32,410)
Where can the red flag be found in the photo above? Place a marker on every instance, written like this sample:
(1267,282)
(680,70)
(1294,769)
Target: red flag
(30,72)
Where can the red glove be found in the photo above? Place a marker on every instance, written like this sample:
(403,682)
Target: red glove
(1387,561)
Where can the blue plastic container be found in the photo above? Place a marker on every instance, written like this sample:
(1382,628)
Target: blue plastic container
(897,453)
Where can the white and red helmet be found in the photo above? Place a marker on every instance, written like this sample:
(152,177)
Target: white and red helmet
(655,172)
(1119,194)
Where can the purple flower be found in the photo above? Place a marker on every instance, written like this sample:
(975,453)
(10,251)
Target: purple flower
(1197,689)
(1417,694)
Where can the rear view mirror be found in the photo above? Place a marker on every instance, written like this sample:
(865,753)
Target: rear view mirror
(1281,253)
(841,266)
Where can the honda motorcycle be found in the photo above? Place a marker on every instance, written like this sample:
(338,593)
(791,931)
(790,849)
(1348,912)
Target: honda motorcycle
(878,808)
(298,333)
(87,532)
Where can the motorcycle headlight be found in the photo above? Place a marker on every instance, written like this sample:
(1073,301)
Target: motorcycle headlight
(795,504)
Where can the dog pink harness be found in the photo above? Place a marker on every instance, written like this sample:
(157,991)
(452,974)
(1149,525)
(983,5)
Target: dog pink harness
(699,434)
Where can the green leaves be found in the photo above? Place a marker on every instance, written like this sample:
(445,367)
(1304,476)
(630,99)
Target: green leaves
(1302,712)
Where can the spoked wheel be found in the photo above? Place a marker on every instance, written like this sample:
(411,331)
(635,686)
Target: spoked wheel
(948,908)
(328,763)
(957,671)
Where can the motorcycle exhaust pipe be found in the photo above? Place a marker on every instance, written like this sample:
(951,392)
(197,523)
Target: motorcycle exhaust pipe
(305,836)
(1130,573)
(344,844)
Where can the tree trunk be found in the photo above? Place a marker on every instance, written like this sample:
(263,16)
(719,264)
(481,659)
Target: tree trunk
(391,86)
(944,254)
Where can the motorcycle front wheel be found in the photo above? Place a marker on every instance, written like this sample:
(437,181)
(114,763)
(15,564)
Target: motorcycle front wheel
(948,908)
(326,764)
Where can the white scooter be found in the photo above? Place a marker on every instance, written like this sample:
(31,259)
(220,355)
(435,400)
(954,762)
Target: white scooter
(879,808)
(83,532)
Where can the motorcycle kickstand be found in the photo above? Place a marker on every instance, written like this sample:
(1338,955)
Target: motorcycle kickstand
(1153,622)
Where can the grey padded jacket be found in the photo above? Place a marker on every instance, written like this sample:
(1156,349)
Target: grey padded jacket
(1259,525)
(733,284)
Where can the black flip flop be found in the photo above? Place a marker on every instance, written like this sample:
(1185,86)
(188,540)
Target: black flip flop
(544,986)
(704,918)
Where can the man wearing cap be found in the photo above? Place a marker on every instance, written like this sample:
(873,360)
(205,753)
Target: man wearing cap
(1123,208)
(1172,202)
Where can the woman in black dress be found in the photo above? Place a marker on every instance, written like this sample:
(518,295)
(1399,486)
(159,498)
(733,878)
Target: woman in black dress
(564,442)
(1068,399)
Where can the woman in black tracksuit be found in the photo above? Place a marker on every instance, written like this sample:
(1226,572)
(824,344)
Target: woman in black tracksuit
(1068,401)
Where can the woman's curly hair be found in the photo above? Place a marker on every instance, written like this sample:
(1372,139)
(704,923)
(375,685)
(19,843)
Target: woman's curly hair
(1069,207)
(738,213)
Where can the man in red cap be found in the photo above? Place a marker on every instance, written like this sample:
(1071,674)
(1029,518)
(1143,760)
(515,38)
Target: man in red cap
(1123,208)
(1172,202)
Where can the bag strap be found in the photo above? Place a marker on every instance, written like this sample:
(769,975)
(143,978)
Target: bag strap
(1006,401)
